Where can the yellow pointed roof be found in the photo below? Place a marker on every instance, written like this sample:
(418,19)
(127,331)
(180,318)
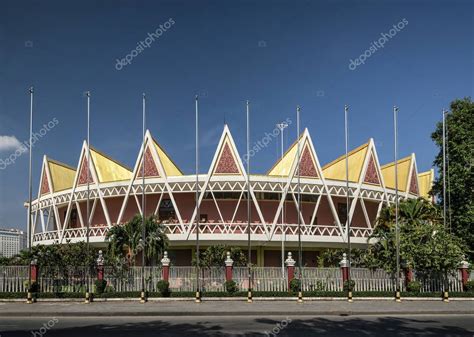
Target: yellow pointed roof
(108,169)
(388,172)
(425,179)
(283,165)
(171,169)
(62,175)
(336,170)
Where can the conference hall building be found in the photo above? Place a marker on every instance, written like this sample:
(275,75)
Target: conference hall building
(115,190)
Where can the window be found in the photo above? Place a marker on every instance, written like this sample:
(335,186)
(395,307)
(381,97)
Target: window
(342,212)
(203,218)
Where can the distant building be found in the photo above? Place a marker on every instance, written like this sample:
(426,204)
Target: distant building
(11,242)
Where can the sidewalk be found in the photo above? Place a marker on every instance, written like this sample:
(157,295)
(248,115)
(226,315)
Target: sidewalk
(233,308)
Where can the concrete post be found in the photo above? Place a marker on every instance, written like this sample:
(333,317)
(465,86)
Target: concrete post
(463,269)
(344,264)
(290,266)
(228,267)
(165,263)
(34,271)
(100,266)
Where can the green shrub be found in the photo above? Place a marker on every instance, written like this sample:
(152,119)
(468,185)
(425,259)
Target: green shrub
(414,286)
(34,288)
(349,285)
(469,285)
(100,286)
(295,285)
(231,286)
(163,288)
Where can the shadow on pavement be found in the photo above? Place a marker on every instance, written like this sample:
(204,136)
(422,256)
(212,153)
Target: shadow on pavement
(338,326)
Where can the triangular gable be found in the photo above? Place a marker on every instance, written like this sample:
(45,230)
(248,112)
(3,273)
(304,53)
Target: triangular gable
(336,170)
(151,170)
(62,175)
(307,163)
(44,183)
(413,189)
(282,167)
(83,173)
(109,170)
(371,174)
(388,172)
(425,180)
(227,160)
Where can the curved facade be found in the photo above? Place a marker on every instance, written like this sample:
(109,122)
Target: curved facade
(59,213)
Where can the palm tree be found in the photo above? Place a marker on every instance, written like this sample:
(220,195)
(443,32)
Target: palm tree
(125,240)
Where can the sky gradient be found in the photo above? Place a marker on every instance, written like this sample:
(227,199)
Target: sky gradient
(277,54)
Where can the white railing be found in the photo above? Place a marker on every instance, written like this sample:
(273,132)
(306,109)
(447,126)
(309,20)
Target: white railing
(321,279)
(74,279)
(14,278)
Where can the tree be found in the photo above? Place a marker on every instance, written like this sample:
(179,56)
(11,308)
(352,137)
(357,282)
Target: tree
(215,256)
(425,245)
(125,241)
(460,150)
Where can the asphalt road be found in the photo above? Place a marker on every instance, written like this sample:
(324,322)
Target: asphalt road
(433,325)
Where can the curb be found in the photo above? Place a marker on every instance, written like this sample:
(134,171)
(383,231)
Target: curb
(233,299)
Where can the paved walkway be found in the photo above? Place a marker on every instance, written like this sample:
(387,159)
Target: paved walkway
(233,308)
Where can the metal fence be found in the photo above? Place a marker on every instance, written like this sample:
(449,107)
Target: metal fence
(75,279)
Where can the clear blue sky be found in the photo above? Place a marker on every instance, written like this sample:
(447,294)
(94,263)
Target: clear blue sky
(277,54)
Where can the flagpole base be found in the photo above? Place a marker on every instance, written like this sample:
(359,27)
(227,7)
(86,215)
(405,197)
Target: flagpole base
(143,298)
(87,298)
(29,298)
(445,297)
(249,297)
(300,297)
(397,296)
(349,297)
(198,297)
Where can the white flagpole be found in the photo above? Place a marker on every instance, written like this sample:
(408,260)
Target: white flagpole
(143,298)
(88,95)
(249,246)
(444,168)
(300,250)
(348,221)
(198,214)
(282,126)
(30,194)
(397,228)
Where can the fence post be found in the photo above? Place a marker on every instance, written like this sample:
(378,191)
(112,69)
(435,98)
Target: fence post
(100,266)
(228,267)
(463,269)
(165,263)
(290,266)
(344,264)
